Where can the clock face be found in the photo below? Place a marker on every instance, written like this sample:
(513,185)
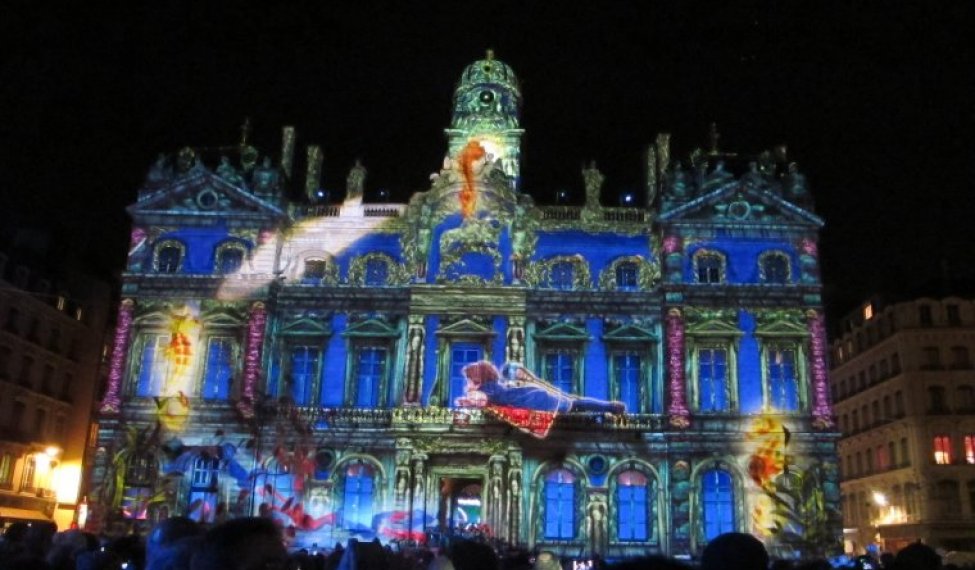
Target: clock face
(486,97)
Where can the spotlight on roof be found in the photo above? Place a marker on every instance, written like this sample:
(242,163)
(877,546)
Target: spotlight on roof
(561,197)
(626,199)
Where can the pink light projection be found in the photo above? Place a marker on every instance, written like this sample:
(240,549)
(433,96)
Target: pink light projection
(680,416)
(671,244)
(252,358)
(822,413)
(809,247)
(112,403)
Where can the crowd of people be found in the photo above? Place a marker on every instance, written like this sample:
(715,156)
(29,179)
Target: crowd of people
(256,544)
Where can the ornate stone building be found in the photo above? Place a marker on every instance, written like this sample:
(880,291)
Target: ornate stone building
(310,362)
(905,400)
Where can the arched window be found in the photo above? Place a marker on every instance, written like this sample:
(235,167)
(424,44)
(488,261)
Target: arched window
(626,276)
(782,380)
(314,271)
(561,276)
(304,373)
(377,273)
(357,497)
(203,496)
(774,268)
(633,499)
(717,503)
(560,505)
(27,479)
(140,474)
(712,377)
(709,267)
(169,257)
(230,258)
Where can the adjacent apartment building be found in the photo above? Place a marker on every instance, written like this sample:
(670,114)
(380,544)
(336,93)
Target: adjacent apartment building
(904,389)
(50,345)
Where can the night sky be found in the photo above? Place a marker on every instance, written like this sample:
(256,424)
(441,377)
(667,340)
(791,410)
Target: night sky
(876,101)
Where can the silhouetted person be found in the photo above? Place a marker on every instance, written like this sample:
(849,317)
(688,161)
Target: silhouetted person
(650,563)
(241,544)
(171,543)
(734,551)
(469,555)
(917,556)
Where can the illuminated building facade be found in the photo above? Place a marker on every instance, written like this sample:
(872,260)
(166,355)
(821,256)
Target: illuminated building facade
(50,346)
(310,362)
(905,401)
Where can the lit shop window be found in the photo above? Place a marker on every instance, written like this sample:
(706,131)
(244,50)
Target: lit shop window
(942,450)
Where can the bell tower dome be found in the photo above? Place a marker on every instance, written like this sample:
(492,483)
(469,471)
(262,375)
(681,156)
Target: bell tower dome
(487,104)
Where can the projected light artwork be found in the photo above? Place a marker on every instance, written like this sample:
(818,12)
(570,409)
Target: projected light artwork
(583,379)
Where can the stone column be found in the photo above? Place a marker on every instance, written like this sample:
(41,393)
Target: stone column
(596,523)
(680,416)
(495,496)
(401,491)
(418,527)
(513,502)
(415,334)
(822,412)
(112,402)
(253,353)
(515,346)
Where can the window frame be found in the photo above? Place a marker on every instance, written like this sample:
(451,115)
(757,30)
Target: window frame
(226,247)
(763,270)
(157,260)
(715,275)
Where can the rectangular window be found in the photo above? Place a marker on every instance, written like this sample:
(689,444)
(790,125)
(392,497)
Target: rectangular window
(905,457)
(304,373)
(782,381)
(899,403)
(712,377)
(370,367)
(892,454)
(40,424)
(560,369)
(219,368)
(970,449)
(461,354)
(559,510)
(882,461)
(924,315)
(942,450)
(626,368)
(954,315)
(931,358)
(959,358)
(6,469)
(632,505)
(26,371)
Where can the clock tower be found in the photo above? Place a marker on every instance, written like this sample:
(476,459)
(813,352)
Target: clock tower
(487,102)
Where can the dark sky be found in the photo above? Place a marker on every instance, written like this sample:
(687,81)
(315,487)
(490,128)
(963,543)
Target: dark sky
(876,101)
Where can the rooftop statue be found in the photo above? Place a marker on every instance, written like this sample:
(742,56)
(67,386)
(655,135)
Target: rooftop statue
(593,179)
(355,182)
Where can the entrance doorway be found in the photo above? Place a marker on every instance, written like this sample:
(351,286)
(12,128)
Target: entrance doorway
(461,507)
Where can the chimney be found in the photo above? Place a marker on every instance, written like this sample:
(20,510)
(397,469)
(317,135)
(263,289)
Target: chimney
(287,150)
(313,176)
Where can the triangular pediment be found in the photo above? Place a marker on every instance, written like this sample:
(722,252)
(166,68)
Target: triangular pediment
(629,333)
(737,202)
(563,331)
(714,327)
(202,192)
(465,327)
(371,328)
(306,326)
(781,328)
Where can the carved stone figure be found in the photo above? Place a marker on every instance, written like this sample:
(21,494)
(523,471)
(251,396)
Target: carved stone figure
(678,186)
(265,177)
(160,171)
(227,171)
(593,179)
(355,183)
(795,184)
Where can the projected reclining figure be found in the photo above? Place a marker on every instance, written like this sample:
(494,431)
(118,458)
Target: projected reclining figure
(523,399)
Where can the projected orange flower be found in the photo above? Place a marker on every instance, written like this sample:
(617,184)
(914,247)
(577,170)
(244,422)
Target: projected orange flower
(467,157)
